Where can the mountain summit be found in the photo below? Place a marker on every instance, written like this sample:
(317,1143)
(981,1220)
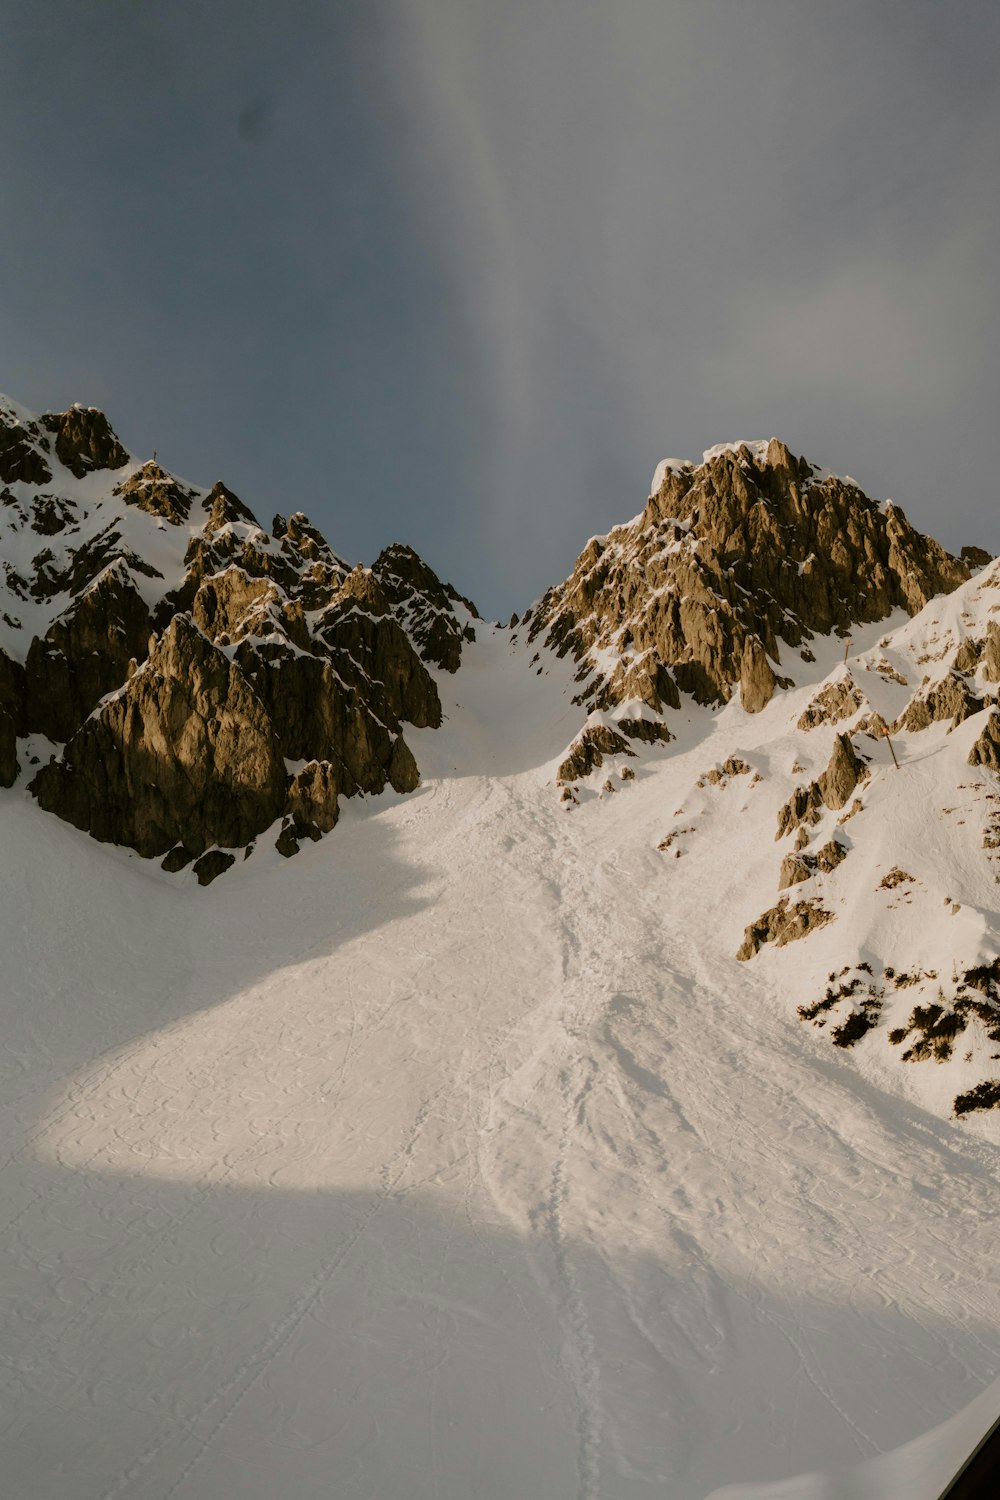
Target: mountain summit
(198,678)
(749,551)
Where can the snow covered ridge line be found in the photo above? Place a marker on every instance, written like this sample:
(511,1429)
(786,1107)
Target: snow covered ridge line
(177,654)
(725,577)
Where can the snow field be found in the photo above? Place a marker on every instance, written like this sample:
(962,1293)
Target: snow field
(457,1157)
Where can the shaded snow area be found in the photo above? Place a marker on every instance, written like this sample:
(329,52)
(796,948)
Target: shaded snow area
(459,1159)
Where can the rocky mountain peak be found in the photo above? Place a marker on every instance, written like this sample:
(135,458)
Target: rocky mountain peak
(733,560)
(156,492)
(197,677)
(84,440)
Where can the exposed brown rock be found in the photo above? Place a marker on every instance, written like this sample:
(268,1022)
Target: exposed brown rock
(803,806)
(749,544)
(991,653)
(84,440)
(975,557)
(177,858)
(85,653)
(403,773)
(830,856)
(287,842)
(317,716)
(896,876)
(794,869)
(968,654)
(757,680)
(986,750)
(782,924)
(798,867)
(184,753)
(213,864)
(50,515)
(734,765)
(158,493)
(588,750)
(9,767)
(231,603)
(368,643)
(312,796)
(20,459)
(951,698)
(648,731)
(832,789)
(224,508)
(288,653)
(837,700)
(11,716)
(843,774)
(424,606)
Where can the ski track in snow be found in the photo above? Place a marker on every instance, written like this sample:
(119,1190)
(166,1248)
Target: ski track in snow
(452,1159)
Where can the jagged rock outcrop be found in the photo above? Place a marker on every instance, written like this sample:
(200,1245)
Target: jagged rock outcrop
(424,606)
(991,653)
(733,765)
(752,545)
(967,656)
(212,864)
(951,698)
(832,789)
(22,449)
(798,867)
(360,628)
(986,751)
(312,797)
(157,493)
(757,679)
(782,924)
(183,753)
(976,557)
(588,750)
(85,653)
(404,775)
(84,440)
(844,773)
(9,766)
(181,653)
(836,701)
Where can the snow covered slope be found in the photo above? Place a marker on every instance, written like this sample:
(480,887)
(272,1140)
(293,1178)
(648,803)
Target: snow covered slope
(609,1117)
(460,1157)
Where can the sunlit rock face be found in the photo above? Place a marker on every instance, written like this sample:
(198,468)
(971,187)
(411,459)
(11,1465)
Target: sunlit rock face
(732,560)
(200,677)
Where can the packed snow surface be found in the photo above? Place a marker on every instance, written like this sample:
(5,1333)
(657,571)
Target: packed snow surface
(457,1157)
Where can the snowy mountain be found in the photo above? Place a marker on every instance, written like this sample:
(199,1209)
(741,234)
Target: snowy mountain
(205,678)
(608,1113)
(754,572)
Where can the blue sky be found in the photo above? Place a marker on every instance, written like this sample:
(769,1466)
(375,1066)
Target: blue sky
(460,273)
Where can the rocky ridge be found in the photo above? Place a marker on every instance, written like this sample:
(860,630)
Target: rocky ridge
(176,679)
(195,678)
(731,569)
